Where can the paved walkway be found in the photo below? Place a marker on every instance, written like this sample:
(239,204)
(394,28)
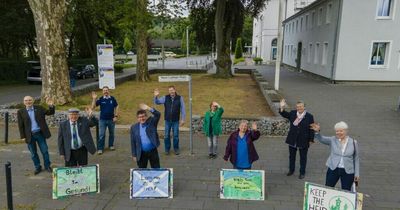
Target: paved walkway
(369,110)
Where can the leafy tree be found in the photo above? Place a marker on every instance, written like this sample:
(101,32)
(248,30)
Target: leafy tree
(49,19)
(238,48)
(229,18)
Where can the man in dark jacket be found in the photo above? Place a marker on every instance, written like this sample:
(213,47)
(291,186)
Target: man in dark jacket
(174,107)
(300,135)
(33,130)
(75,138)
(144,138)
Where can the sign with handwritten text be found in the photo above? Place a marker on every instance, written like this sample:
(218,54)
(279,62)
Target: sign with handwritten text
(242,184)
(151,183)
(74,181)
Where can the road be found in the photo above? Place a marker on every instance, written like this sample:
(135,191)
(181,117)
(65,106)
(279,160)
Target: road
(15,93)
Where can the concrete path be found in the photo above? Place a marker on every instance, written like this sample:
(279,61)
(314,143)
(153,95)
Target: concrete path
(369,111)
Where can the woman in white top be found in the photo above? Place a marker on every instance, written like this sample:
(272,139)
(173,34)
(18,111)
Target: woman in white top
(343,162)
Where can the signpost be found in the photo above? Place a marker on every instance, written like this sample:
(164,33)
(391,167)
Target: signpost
(75,181)
(105,59)
(242,184)
(322,197)
(183,78)
(151,183)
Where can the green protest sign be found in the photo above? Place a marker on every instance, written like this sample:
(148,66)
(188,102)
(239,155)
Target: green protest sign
(318,197)
(242,184)
(74,181)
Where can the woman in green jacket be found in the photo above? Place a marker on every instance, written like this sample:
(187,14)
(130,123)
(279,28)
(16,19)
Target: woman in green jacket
(212,127)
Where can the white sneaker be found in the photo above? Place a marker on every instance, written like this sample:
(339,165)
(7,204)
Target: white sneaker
(99,152)
(112,148)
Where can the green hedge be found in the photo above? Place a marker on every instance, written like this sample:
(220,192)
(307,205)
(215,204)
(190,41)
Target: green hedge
(13,71)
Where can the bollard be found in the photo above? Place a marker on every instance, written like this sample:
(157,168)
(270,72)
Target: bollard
(97,134)
(6,115)
(9,186)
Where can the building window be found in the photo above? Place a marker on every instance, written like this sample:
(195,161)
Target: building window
(319,16)
(292,27)
(309,53)
(329,13)
(379,54)
(312,19)
(274,49)
(384,8)
(306,24)
(316,53)
(325,54)
(301,24)
(297,26)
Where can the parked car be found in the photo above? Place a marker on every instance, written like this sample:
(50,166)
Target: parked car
(85,71)
(168,54)
(130,53)
(34,73)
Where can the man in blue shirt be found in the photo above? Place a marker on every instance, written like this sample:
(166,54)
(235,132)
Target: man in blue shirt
(108,117)
(144,138)
(34,130)
(174,107)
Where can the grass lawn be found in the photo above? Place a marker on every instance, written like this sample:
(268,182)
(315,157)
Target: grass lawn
(239,96)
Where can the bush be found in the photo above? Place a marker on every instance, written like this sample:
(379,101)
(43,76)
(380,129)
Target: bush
(119,68)
(238,48)
(13,71)
(180,56)
(238,60)
(257,60)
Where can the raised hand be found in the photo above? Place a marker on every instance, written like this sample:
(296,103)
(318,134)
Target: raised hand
(89,111)
(94,95)
(156,92)
(282,104)
(49,102)
(144,106)
(254,126)
(315,126)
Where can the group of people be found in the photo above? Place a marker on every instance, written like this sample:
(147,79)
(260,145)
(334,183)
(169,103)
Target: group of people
(75,139)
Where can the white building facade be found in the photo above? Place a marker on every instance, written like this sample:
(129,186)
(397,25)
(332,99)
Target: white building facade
(342,40)
(265,27)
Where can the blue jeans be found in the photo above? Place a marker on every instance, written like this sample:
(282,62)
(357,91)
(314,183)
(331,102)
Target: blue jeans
(72,82)
(41,142)
(175,131)
(333,176)
(103,124)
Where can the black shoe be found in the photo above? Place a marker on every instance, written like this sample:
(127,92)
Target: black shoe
(49,169)
(214,156)
(37,171)
(177,152)
(290,173)
(301,176)
(210,156)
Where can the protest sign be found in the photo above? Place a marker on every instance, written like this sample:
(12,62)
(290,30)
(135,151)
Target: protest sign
(151,183)
(318,197)
(242,184)
(74,181)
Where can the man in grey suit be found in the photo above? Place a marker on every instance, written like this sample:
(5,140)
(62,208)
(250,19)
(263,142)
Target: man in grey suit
(34,131)
(75,139)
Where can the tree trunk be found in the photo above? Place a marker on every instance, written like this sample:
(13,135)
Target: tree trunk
(49,19)
(223,31)
(142,72)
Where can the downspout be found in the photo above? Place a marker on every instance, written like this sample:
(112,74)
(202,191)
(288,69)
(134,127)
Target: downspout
(335,42)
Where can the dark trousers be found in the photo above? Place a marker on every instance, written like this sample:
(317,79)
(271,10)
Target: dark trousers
(333,176)
(78,157)
(303,159)
(38,138)
(151,156)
